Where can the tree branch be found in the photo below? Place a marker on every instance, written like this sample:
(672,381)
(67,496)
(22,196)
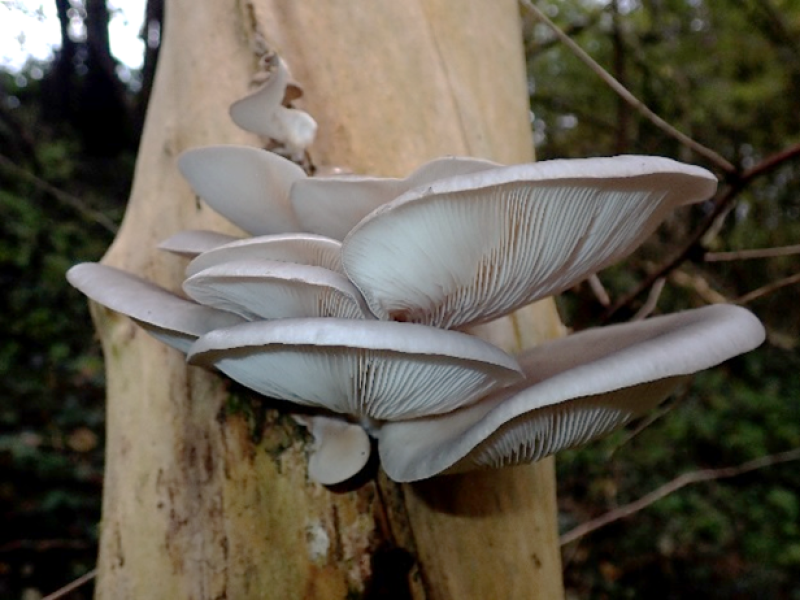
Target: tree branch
(750,254)
(673,486)
(768,289)
(70,587)
(69,200)
(626,95)
(721,203)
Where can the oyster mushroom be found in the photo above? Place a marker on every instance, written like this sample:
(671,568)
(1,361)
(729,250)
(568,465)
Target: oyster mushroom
(575,389)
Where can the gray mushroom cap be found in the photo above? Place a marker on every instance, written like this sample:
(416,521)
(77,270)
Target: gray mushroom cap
(266,289)
(248,186)
(369,369)
(298,248)
(262,112)
(468,249)
(332,206)
(168,317)
(576,389)
(340,450)
(192,242)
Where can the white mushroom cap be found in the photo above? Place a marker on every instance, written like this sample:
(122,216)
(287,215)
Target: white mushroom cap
(170,318)
(472,248)
(577,389)
(340,451)
(191,242)
(370,369)
(332,206)
(265,289)
(248,186)
(262,112)
(299,248)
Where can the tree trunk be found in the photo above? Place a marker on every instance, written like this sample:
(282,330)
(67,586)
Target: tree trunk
(193,506)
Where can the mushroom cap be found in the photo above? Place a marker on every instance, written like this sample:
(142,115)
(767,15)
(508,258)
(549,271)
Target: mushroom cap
(254,112)
(247,186)
(377,370)
(191,242)
(332,206)
(299,248)
(170,318)
(340,450)
(263,112)
(265,289)
(468,249)
(576,389)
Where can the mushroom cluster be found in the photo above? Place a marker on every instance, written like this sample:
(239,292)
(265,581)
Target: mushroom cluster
(356,295)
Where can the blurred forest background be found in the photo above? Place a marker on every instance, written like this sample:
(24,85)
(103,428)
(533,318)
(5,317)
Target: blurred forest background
(727,74)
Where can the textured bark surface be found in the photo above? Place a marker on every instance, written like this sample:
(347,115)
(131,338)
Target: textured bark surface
(194,506)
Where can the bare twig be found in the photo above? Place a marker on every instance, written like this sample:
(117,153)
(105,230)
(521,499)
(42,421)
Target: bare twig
(699,285)
(673,486)
(73,202)
(768,289)
(720,205)
(599,290)
(82,580)
(754,253)
(626,95)
(651,418)
(652,301)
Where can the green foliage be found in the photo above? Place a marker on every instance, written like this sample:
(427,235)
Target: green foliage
(727,74)
(52,418)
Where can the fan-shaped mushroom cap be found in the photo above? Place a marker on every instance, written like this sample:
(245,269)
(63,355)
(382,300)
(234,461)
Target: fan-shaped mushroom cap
(299,248)
(577,389)
(340,451)
(472,248)
(265,289)
(191,242)
(169,318)
(247,186)
(262,112)
(371,369)
(332,206)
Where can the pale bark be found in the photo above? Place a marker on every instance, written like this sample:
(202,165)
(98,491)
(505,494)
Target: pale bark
(193,508)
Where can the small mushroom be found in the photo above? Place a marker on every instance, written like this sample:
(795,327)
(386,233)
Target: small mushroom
(468,249)
(576,389)
(263,112)
(370,369)
(248,186)
(340,450)
(299,248)
(332,206)
(191,242)
(170,318)
(265,289)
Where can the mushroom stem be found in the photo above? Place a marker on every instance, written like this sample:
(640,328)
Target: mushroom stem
(371,425)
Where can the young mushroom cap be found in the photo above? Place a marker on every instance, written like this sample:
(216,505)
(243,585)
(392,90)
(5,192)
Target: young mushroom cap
(576,389)
(265,289)
(299,248)
(170,318)
(332,206)
(192,242)
(370,369)
(472,248)
(263,112)
(340,450)
(248,186)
